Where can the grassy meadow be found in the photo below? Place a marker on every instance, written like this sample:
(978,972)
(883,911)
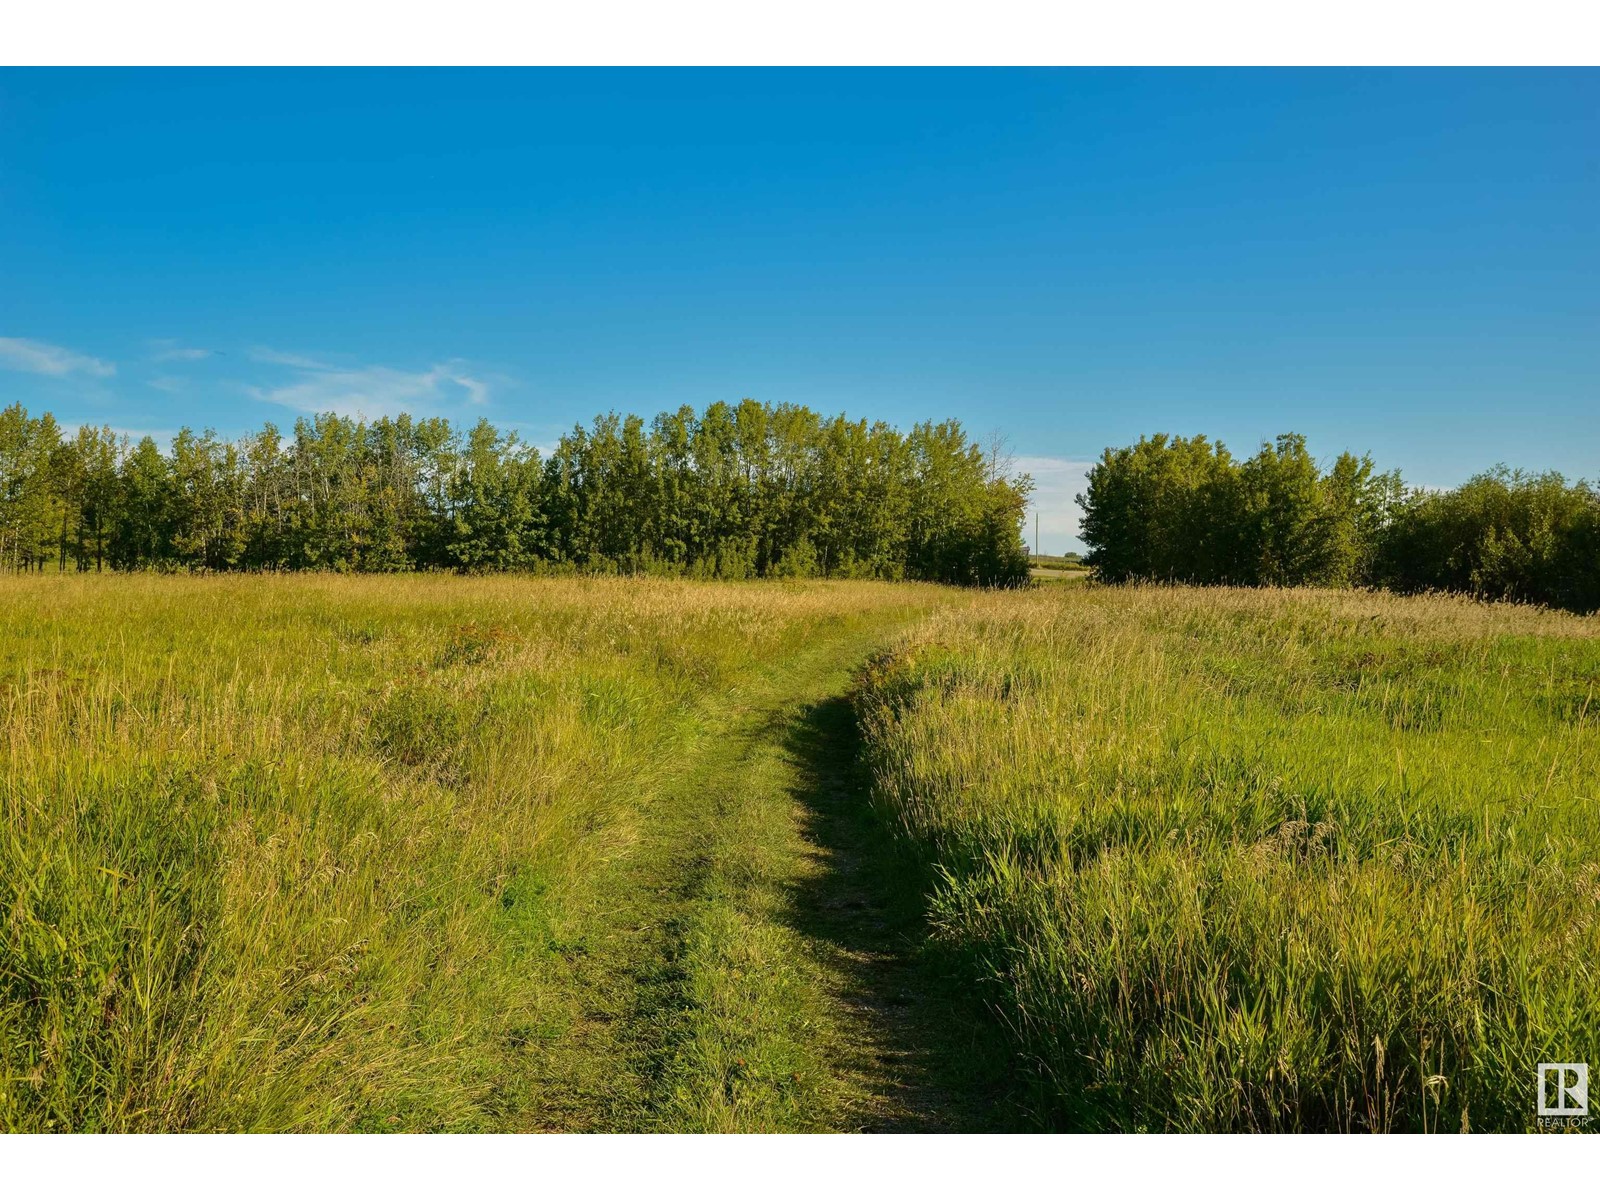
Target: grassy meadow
(438,853)
(1260,860)
(276,851)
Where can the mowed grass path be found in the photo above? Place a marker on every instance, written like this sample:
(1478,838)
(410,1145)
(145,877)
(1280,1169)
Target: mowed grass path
(427,853)
(747,955)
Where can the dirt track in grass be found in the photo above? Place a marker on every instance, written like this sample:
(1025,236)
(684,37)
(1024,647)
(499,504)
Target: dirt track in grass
(745,950)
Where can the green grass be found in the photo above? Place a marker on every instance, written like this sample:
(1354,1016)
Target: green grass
(432,853)
(316,853)
(745,952)
(1260,860)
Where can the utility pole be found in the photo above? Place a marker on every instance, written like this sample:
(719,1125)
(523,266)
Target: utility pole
(1036,532)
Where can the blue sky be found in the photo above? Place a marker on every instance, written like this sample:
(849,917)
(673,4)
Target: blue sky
(1406,263)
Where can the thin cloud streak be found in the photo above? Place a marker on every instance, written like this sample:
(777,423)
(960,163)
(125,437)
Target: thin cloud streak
(41,358)
(372,391)
(280,358)
(180,354)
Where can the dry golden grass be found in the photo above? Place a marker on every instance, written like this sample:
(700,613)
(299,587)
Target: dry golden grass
(268,841)
(1262,860)
(277,852)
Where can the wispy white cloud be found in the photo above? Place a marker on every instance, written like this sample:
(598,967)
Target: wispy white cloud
(169,383)
(280,358)
(164,350)
(371,391)
(1056,484)
(41,358)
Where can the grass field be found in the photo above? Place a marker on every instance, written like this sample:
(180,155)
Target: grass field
(327,853)
(437,853)
(1057,567)
(1261,860)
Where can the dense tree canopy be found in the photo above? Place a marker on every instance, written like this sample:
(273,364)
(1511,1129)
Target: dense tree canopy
(734,491)
(1185,510)
(1504,535)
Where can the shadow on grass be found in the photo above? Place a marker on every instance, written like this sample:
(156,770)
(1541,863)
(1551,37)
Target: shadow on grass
(935,1060)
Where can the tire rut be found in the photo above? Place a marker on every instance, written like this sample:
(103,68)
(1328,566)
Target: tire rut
(753,955)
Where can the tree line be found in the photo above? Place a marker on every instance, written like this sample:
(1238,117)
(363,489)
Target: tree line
(731,492)
(1186,510)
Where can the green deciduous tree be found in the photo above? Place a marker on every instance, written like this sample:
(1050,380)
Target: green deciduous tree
(1503,535)
(734,491)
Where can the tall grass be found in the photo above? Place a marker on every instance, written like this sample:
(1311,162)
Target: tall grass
(1244,860)
(272,850)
